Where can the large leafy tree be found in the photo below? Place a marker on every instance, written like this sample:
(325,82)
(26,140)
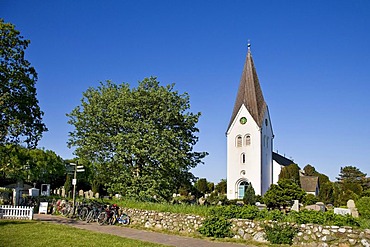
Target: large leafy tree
(140,140)
(20,114)
(31,165)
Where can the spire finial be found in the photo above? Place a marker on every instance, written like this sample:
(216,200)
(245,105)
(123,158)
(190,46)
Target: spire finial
(249,44)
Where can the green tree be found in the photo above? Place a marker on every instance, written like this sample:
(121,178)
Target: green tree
(31,165)
(140,140)
(326,192)
(290,172)
(221,186)
(20,114)
(249,195)
(352,178)
(283,193)
(202,185)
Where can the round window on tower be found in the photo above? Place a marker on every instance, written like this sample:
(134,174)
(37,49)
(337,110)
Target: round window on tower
(242,173)
(243,120)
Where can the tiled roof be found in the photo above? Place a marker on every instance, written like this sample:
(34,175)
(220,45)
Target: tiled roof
(309,183)
(250,93)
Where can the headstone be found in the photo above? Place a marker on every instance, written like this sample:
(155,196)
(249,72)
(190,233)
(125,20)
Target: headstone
(342,211)
(91,194)
(201,201)
(63,192)
(295,206)
(97,195)
(351,204)
(86,194)
(261,206)
(313,207)
(352,207)
(80,193)
(322,206)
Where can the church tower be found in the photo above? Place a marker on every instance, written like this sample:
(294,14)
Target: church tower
(249,137)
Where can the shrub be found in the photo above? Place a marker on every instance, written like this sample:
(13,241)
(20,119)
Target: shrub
(216,226)
(280,233)
(363,208)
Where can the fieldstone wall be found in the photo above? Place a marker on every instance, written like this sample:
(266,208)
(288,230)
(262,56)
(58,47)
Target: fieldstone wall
(308,235)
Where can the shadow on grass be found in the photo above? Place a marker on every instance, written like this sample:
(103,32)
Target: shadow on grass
(15,222)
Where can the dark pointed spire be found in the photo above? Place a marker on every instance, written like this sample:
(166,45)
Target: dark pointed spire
(249,92)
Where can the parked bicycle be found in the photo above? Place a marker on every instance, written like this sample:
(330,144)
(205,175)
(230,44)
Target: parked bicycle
(111,215)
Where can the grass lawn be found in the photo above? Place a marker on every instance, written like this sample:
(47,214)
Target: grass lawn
(21,233)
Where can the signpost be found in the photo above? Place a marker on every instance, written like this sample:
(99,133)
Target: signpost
(76,169)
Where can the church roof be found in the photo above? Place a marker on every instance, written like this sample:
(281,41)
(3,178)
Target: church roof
(250,93)
(281,160)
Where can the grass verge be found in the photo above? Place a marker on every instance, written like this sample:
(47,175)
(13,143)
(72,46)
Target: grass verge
(34,234)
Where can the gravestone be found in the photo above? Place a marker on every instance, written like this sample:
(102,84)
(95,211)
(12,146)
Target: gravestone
(295,206)
(63,192)
(80,193)
(97,195)
(91,194)
(352,207)
(313,207)
(86,194)
(342,211)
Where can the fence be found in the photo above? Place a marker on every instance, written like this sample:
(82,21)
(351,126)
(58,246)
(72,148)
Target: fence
(16,212)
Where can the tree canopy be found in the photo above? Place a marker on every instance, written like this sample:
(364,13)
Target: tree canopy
(290,172)
(31,165)
(283,193)
(140,140)
(20,114)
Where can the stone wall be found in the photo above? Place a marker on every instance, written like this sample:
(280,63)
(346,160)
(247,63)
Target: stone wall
(308,235)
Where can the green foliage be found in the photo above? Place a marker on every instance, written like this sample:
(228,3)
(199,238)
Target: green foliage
(282,194)
(363,207)
(216,226)
(202,185)
(237,212)
(138,140)
(350,185)
(31,165)
(280,233)
(290,172)
(326,192)
(221,186)
(309,199)
(20,114)
(214,198)
(249,196)
(68,184)
(322,218)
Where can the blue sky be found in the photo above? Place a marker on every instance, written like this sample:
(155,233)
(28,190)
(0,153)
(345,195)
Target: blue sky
(312,59)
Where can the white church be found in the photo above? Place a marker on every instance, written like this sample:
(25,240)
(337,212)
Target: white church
(250,156)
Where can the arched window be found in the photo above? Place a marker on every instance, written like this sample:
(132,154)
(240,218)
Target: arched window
(242,188)
(242,158)
(239,141)
(248,139)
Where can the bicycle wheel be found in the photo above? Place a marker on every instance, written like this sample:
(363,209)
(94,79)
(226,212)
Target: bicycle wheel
(83,213)
(90,216)
(102,218)
(124,219)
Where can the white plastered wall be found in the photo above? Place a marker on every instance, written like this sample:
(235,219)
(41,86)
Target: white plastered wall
(252,166)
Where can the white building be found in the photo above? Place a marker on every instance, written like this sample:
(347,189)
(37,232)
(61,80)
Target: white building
(250,138)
